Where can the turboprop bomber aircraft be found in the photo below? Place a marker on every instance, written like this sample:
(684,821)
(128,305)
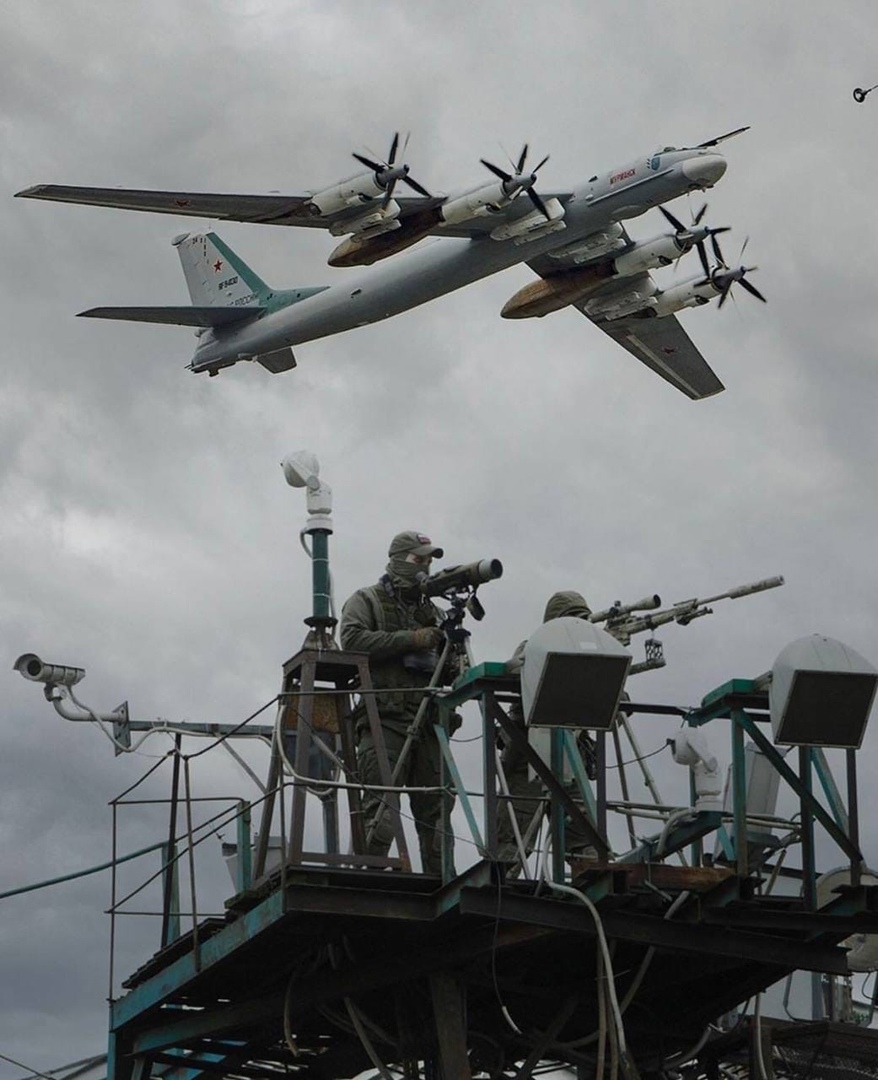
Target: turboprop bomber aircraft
(573,239)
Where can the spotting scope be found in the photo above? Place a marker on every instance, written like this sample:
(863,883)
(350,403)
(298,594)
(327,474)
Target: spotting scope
(469,576)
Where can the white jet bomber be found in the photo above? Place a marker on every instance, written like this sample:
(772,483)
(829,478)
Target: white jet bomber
(573,239)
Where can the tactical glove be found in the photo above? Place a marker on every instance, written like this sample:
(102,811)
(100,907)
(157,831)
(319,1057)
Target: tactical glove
(427,637)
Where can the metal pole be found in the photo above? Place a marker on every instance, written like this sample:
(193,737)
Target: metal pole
(320,573)
(171,850)
(556,820)
(600,739)
(853,814)
(809,877)
(739,791)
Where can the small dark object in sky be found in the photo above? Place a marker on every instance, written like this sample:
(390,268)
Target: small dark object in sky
(860,95)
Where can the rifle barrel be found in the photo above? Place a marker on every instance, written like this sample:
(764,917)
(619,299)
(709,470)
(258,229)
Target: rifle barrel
(746,590)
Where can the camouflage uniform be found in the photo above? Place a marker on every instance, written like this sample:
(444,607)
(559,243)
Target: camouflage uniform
(382,620)
(529,794)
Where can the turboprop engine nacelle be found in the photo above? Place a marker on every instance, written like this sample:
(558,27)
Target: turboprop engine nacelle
(660,251)
(484,200)
(684,295)
(623,303)
(342,196)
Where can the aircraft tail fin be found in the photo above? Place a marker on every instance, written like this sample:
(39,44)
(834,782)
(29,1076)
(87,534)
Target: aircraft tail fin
(216,276)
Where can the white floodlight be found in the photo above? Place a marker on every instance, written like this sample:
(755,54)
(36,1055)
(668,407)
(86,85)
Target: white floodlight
(821,694)
(32,667)
(573,675)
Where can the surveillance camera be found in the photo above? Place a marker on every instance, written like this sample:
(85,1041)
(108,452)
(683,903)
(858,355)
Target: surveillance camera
(32,667)
(301,469)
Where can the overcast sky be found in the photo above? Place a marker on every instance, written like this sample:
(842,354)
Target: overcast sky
(146,531)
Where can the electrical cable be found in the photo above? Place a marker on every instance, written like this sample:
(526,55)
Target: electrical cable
(608,963)
(643,757)
(165,728)
(351,1008)
(602,1018)
(81,873)
(504,1011)
(757,1034)
(33,1072)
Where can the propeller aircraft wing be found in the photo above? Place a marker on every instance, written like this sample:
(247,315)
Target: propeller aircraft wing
(660,343)
(254,209)
(665,347)
(290,210)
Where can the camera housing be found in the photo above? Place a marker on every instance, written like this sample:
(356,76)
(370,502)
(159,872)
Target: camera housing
(36,670)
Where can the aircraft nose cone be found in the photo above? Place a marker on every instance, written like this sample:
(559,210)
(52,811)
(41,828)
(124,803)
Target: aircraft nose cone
(705,169)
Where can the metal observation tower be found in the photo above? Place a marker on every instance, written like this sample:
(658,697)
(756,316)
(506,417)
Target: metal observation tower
(645,951)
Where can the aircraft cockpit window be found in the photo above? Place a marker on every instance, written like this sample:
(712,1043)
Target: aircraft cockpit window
(592,179)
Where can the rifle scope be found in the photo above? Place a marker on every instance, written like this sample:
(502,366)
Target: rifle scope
(469,576)
(648,603)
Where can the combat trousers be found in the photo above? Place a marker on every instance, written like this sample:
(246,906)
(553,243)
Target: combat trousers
(527,798)
(422,769)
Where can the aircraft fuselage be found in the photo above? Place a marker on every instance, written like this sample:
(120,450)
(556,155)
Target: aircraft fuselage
(440,265)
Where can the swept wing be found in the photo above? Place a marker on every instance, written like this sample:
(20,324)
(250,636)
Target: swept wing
(660,343)
(665,347)
(294,210)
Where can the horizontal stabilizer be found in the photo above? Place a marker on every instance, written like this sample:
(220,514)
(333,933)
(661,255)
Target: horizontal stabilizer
(217,317)
(277,361)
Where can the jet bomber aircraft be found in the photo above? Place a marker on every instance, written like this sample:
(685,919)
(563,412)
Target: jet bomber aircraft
(572,239)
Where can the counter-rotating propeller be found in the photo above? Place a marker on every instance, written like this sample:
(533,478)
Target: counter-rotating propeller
(520,181)
(388,173)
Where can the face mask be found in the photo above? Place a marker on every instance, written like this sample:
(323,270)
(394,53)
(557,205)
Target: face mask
(406,574)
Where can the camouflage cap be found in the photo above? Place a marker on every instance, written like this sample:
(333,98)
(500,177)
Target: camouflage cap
(415,543)
(565,604)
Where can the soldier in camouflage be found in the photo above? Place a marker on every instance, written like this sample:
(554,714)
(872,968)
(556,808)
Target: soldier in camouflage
(399,629)
(528,795)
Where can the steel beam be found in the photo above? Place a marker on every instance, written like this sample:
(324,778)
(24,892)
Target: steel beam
(659,932)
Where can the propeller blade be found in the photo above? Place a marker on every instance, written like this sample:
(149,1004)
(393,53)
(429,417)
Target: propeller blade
(373,165)
(745,284)
(538,203)
(391,157)
(721,138)
(541,164)
(724,295)
(522,157)
(719,229)
(414,184)
(497,172)
(702,254)
(743,247)
(677,224)
(697,219)
(714,243)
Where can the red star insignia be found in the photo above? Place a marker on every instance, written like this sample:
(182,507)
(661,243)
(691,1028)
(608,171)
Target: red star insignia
(218,265)
(182,202)
(668,350)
